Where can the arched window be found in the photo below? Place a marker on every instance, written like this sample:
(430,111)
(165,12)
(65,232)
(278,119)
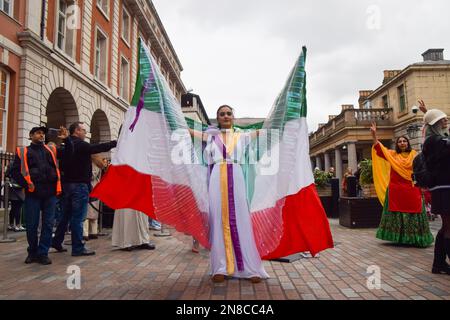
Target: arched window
(4,100)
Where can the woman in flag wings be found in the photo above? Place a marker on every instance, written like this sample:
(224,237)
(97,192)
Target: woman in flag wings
(245,194)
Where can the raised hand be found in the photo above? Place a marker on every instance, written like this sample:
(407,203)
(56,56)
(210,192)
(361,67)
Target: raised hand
(63,133)
(422,106)
(373,130)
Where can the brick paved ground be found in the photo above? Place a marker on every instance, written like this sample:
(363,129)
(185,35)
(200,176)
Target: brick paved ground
(173,272)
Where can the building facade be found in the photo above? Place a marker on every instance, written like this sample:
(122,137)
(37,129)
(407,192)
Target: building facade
(76,60)
(345,139)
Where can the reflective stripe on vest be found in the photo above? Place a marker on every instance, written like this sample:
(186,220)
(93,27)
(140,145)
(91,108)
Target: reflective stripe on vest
(23,156)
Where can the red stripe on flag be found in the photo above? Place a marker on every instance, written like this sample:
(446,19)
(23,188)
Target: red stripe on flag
(122,187)
(305,225)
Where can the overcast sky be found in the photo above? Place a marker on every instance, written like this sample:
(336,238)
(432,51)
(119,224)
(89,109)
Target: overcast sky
(240,52)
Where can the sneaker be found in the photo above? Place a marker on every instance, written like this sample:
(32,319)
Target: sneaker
(44,260)
(10,227)
(22,229)
(16,229)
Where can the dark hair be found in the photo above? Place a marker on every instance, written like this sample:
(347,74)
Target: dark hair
(224,106)
(220,108)
(397,149)
(74,126)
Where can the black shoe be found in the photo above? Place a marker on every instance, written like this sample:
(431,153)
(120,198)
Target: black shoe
(444,269)
(93,237)
(30,259)
(86,238)
(44,260)
(147,246)
(59,248)
(86,252)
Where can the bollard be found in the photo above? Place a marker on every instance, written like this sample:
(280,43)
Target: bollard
(100,220)
(6,215)
(162,233)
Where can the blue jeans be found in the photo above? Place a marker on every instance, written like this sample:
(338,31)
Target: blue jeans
(33,207)
(74,208)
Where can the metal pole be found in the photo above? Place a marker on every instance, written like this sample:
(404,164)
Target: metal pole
(5,220)
(100,220)
(162,233)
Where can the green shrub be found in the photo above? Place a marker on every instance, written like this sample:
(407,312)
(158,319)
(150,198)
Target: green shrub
(366,176)
(321,178)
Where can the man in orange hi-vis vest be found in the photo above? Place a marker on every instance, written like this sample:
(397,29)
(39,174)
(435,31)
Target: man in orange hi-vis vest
(36,169)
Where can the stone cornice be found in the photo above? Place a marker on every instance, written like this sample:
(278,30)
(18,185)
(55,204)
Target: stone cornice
(405,72)
(29,40)
(138,12)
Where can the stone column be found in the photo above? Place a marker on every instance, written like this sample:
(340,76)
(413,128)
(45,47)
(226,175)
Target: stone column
(352,157)
(327,161)
(318,162)
(338,165)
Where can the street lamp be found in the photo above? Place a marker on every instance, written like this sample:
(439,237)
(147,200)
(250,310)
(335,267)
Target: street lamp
(413,130)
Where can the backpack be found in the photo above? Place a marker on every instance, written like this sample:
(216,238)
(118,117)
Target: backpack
(421,176)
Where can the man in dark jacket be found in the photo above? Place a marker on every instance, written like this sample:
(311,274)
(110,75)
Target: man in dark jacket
(76,181)
(35,168)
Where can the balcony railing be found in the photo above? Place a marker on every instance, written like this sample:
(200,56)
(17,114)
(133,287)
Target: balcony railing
(352,119)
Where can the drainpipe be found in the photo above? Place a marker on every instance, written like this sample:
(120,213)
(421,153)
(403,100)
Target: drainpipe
(44,3)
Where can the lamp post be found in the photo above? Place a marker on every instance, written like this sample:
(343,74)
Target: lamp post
(413,130)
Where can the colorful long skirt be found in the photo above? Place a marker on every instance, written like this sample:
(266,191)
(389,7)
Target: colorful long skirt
(405,228)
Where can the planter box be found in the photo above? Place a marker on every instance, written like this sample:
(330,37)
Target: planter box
(324,192)
(360,212)
(368,191)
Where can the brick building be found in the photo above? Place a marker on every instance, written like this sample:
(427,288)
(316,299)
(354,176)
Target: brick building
(76,60)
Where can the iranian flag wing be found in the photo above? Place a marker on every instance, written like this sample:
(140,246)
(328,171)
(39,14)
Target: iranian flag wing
(153,169)
(286,211)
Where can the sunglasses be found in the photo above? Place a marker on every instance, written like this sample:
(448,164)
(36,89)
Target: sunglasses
(222,114)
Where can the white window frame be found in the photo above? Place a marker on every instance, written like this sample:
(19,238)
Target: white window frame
(5,112)
(11,7)
(97,76)
(99,6)
(121,82)
(70,55)
(127,41)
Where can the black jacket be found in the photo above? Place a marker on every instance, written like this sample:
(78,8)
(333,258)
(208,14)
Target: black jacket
(42,170)
(437,156)
(77,168)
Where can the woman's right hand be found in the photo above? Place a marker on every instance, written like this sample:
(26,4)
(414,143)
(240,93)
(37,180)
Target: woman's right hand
(373,130)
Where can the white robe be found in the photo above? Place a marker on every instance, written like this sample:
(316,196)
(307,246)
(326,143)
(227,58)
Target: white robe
(130,228)
(253,266)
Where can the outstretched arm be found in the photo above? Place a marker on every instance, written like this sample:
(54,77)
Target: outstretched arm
(198,134)
(254,134)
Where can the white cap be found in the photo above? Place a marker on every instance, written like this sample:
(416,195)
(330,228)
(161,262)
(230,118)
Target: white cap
(433,116)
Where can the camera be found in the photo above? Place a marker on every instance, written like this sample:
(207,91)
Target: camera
(415,109)
(52,133)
